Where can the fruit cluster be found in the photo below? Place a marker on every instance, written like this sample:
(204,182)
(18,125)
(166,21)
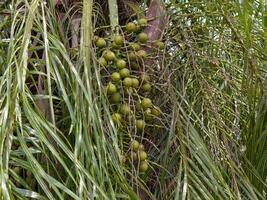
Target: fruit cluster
(122,57)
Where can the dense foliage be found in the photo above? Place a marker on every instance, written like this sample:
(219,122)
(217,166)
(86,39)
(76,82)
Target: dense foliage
(63,137)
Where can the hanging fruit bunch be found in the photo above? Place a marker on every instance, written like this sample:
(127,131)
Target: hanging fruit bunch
(122,58)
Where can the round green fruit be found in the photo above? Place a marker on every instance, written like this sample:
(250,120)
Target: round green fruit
(125,109)
(146,87)
(146,103)
(142,22)
(109,55)
(156,111)
(135,83)
(135,145)
(127,82)
(134,156)
(145,78)
(118,40)
(132,56)
(124,72)
(135,65)
(135,47)
(142,37)
(143,167)
(102,61)
(130,27)
(116,97)
(142,155)
(111,88)
(101,42)
(138,106)
(148,115)
(115,76)
(140,124)
(141,147)
(120,64)
(160,44)
(116,118)
(141,54)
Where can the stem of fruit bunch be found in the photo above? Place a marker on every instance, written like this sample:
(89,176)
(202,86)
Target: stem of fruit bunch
(113,13)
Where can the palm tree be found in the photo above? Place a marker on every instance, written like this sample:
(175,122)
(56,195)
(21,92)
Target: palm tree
(206,137)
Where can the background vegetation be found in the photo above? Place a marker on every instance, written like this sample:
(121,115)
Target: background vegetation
(57,139)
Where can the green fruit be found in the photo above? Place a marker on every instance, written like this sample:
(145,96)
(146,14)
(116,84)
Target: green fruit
(141,54)
(160,44)
(156,111)
(111,88)
(142,22)
(146,103)
(125,109)
(142,37)
(140,124)
(124,72)
(135,145)
(127,82)
(141,147)
(146,87)
(115,46)
(142,155)
(135,47)
(135,83)
(102,61)
(132,56)
(145,78)
(135,66)
(109,55)
(148,115)
(115,76)
(118,40)
(121,63)
(130,27)
(135,157)
(116,118)
(116,97)
(100,42)
(138,106)
(143,166)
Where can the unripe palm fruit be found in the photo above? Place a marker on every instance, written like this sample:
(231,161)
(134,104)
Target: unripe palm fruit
(160,44)
(109,55)
(135,83)
(118,39)
(116,118)
(148,115)
(146,87)
(102,61)
(135,47)
(116,97)
(115,76)
(135,145)
(143,167)
(120,64)
(132,56)
(101,42)
(145,78)
(141,54)
(141,147)
(135,65)
(140,124)
(156,111)
(127,82)
(124,72)
(125,109)
(142,155)
(142,22)
(111,88)
(130,27)
(142,37)
(146,103)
